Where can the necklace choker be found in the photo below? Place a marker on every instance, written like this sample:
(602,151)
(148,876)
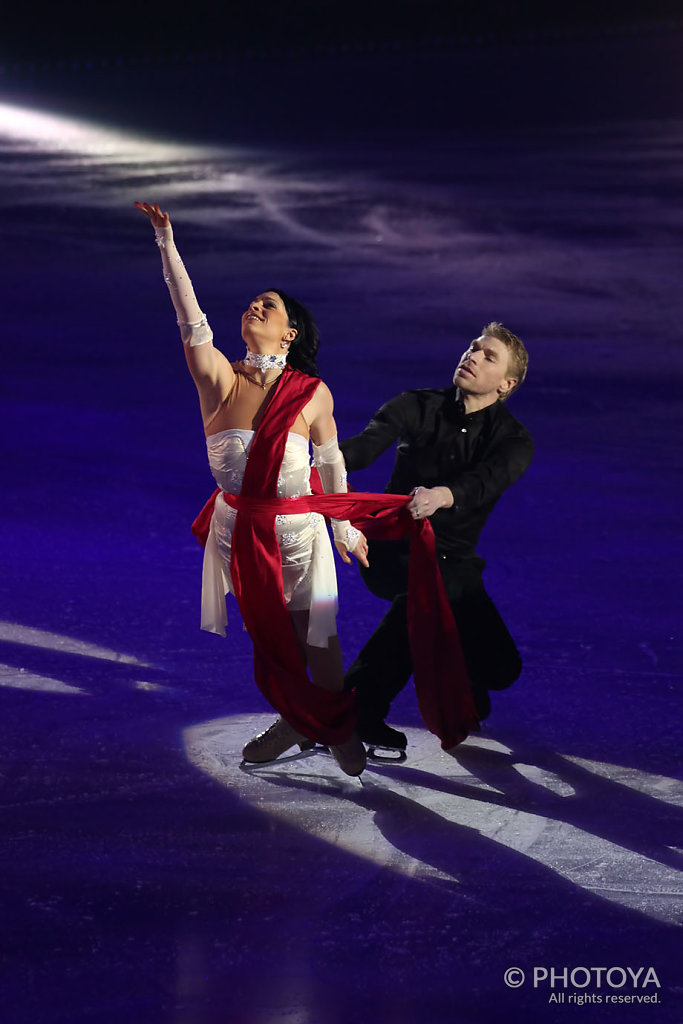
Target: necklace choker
(264,363)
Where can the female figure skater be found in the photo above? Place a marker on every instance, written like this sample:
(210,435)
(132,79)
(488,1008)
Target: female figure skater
(259,414)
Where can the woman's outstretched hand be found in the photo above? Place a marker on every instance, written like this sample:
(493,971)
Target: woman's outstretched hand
(153,211)
(360,551)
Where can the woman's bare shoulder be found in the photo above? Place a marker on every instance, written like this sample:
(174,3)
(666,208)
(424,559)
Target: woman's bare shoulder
(323,395)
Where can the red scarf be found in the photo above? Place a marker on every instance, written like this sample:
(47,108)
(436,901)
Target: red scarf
(443,692)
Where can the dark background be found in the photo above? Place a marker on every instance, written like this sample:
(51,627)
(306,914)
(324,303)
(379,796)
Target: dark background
(70,30)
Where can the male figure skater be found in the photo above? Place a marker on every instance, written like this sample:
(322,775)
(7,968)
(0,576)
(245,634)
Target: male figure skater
(458,449)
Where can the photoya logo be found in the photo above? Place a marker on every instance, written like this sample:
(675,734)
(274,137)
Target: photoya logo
(583,977)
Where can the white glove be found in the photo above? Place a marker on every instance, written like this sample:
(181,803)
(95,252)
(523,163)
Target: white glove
(194,327)
(329,461)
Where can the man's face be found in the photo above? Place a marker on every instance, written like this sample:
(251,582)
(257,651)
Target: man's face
(483,368)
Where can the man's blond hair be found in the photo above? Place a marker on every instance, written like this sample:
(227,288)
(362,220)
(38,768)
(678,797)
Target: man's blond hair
(518,361)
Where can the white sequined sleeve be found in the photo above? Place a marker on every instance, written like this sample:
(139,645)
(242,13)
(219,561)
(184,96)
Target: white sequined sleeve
(194,327)
(329,461)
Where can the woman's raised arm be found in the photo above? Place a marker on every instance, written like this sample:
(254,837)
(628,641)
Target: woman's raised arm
(211,371)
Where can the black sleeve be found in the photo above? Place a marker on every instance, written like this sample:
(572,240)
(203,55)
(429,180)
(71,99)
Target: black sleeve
(385,428)
(485,481)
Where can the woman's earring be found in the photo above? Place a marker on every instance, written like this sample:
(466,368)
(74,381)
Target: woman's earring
(284,344)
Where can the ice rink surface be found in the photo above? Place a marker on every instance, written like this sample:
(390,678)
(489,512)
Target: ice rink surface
(147,876)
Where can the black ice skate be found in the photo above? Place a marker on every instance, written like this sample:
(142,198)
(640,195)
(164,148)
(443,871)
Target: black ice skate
(383,742)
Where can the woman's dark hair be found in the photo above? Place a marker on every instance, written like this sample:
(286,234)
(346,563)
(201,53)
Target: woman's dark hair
(304,348)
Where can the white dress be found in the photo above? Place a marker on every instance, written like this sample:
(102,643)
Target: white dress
(308,572)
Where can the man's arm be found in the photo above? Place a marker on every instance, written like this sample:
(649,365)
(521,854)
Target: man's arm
(481,484)
(383,430)
(484,482)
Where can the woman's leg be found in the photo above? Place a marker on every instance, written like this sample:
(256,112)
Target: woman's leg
(324,663)
(327,671)
(325,666)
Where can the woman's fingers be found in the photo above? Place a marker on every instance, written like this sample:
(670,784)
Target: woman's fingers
(161,214)
(146,209)
(158,217)
(343,553)
(361,551)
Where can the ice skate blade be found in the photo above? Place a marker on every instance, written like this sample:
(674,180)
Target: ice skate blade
(386,755)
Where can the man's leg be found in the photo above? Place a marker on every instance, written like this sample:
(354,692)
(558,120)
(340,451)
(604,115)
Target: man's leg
(493,661)
(379,673)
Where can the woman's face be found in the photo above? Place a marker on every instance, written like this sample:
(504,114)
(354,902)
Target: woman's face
(265,323)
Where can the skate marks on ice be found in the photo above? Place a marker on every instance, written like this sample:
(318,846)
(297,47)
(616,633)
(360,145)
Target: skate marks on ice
(575,236)
(552,813)
(52,162)
(55,164)
(317,798)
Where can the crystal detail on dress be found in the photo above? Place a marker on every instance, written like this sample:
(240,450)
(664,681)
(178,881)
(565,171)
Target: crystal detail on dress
(263,362)
(352,535)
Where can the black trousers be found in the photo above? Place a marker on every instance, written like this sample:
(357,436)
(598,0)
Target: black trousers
(385,665)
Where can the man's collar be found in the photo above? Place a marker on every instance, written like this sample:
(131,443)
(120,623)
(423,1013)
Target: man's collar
(457,403)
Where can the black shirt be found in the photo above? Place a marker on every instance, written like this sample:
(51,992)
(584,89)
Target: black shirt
(476,455)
